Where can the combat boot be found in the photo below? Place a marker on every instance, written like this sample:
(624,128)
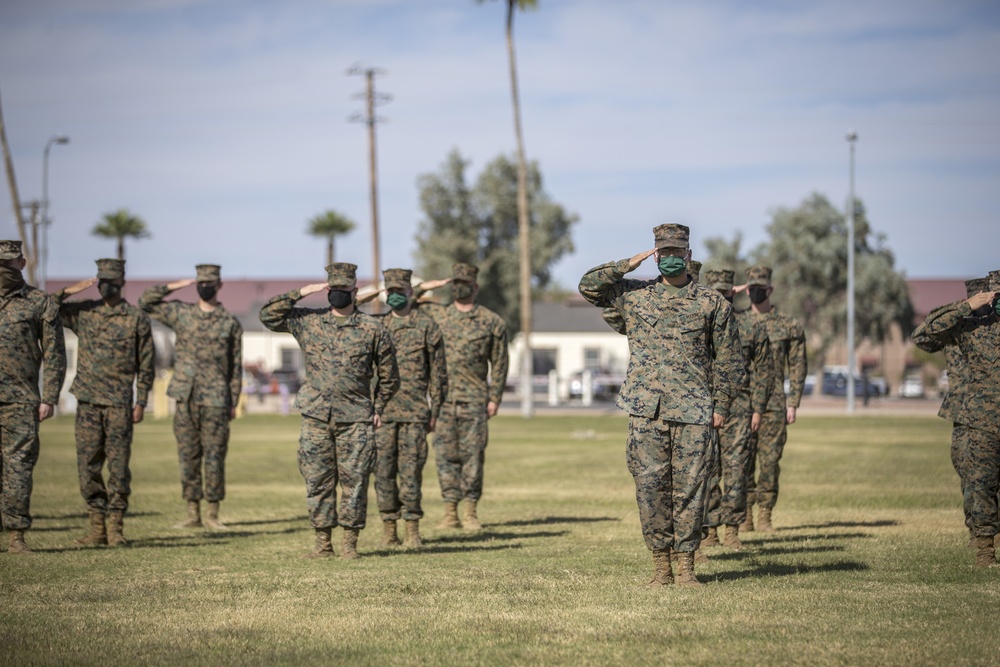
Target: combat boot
(389,536)
(450,519)
(193,519)
(98,535)
(212,516)
(713,538)
(469,519)
(16,544)
(324,547)
(349,550)
(685,571)
(764,520)
(747,525)
(663,575)
(985,552)
(699,556)
(116,528)
(732,539)
(413,540)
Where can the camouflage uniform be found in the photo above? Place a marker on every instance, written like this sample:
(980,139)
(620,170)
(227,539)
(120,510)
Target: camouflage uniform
(337,439)
(788,350)
(402,438)
(207,380)
(115,349)
(735,437)
(685,365)
(31,337)
(475,347)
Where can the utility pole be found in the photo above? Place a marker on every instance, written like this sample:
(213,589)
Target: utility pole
(372,99)
(15,199)
(852,138)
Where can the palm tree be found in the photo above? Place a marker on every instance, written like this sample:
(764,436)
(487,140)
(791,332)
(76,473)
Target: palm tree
(330,225)
(120,224)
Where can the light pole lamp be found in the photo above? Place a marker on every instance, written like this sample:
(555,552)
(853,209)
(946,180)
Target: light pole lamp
(57,139)
(852,138)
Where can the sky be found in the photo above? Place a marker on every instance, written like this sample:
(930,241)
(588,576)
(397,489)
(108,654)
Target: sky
(224,123)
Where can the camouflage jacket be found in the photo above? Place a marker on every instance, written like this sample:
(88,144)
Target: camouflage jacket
(756,346)
(342,358)
(422,369)
(115,348)
(475,347)
(788,351)
(31,335)
(685,361)
(208,364)
(978,341)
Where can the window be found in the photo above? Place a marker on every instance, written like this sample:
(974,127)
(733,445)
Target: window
(591,358)
(543,360)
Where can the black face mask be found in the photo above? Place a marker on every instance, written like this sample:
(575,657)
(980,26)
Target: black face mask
(109,290)
(728,298)
(758,294)
(340,298)
(207,292)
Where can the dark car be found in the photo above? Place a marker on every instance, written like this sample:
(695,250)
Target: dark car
(289,377)
(606,383)
(835,384)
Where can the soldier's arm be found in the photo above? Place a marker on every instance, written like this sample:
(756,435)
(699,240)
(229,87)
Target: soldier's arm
(278,313)
(236,364)
(797,365)
(499,362)
(728,369)
(438,388)
(761,367)
(613,318)
(69,311)
(152,302)
(53,345)
(388,372)
(603,284)
(940,329)
(145,353)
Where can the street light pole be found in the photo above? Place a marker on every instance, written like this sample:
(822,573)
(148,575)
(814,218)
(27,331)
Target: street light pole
(57,139)
(852,138)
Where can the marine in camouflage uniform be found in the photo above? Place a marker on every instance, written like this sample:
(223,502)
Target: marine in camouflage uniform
(115,349)
(974,327)
(31,339)
(344,350)
(207,380)
(475,346)
(408,417)
(788,351)
(616,321)
(684,370)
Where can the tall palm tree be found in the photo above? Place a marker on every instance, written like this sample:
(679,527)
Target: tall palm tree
(119,225)
(330,225)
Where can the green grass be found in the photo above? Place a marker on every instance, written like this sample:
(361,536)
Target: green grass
(868,565)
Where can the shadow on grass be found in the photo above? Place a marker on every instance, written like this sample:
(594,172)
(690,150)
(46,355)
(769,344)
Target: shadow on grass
(766,538)
(773,551)
(554,519)
(491,535)
(265,522)
(443,549)
(844,524)
(82,515)
(778,570)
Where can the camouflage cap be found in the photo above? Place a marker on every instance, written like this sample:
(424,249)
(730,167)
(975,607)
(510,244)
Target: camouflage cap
(671,235)
(995,281)
(10,250)
(466,272)
(397,278)
(341,274)
(694,269)
(208,273)
(110,269)
(759,275)
(720,279)
(976,285)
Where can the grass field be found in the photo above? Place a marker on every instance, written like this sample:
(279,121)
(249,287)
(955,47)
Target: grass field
(868,565)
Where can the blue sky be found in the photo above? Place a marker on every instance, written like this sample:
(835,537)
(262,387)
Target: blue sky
(223,123)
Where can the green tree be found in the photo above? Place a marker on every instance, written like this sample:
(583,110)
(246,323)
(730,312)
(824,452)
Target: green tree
(479,225)
(723,254)
(119,225)
(329,225)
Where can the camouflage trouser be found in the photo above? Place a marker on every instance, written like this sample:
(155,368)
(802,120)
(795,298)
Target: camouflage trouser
(770,443)
(958,444)
(331,452)
(104,433)
(669,462)
(202,433)
(402,451)
(460,450)
(735,444)
(982,477)
(19,443)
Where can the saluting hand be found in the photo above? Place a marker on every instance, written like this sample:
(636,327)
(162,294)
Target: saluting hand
(179,284)
(636,260)
(979,300)
(312,289)
(80,286)
(741,288)
(434,284)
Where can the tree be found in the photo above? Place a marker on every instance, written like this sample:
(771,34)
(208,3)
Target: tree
(121,224)
(329,225)
(480,226)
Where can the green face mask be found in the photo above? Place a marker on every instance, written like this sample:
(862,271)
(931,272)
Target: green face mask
(671,267)
(396,301)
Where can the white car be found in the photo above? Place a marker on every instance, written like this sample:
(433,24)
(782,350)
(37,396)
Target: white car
(911,387)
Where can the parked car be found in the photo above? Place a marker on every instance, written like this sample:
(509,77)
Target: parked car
(606,383)
(912,387)
(807,387)
(289,377)
(835,383)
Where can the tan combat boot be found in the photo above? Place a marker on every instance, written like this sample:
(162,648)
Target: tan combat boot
(764,520)
(98,534)
(324,547)
(713,538)
(349,550)
(413,540)
(16,544)
(732,539)
(985,552)
(662,574)
(699,556)
(212,516)
(685,571)
(450,519)
(389,536)
(193,519)
(747,525)
(116,527)
(469,519)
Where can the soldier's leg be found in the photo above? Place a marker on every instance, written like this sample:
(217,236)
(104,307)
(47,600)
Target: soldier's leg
(90,456)
(355,445)
(118,445)
(736,439)
(19,444)
(983,479)
(958,461)
(690,452)
(187,431)
(647,455)
(412,458)
(770,445)
(318,466)
(215,445)
(713,493)
(386,466)
(446,454)
(473,436)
